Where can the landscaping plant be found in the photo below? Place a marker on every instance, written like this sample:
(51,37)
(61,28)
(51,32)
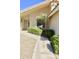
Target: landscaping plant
(48,33)
(42,19)
(55,43)
(35,30)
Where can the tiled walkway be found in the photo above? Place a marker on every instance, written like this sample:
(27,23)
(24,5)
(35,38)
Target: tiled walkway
(27,44)
(35,47)
(44,50)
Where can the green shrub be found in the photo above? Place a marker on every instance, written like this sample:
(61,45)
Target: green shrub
(35,30)
(47,33)
(55,43)
(42,19)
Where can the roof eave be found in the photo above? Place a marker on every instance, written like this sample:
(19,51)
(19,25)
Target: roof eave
(54,11)
(35,6)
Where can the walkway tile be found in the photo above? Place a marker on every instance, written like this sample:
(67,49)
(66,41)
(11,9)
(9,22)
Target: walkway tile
(45,56)
(27,44)
(46,51)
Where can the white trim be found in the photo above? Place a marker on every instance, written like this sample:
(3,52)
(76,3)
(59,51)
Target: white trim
(57,8)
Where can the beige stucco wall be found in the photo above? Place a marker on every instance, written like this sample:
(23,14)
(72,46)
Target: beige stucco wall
(54,22)
(32,16)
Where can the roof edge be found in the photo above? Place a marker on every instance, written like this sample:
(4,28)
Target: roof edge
(54,11)
(34,6)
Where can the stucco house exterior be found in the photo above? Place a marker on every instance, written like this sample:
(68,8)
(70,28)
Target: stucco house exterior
(53,22)
(49,7)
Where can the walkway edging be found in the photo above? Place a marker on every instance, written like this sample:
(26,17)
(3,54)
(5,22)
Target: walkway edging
(35,49)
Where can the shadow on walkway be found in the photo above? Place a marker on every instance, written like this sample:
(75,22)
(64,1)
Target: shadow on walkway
(50,48)
(43,38)
(47,44)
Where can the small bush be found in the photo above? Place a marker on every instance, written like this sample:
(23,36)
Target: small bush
(35,30)
(42,19)
(47,33)
(55,43)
